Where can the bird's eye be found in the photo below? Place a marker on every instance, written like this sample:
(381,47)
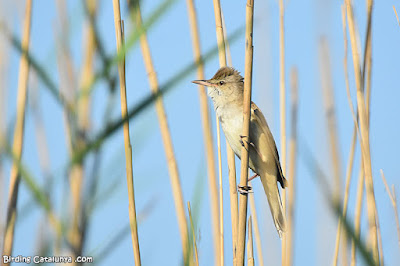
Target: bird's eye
(221,82)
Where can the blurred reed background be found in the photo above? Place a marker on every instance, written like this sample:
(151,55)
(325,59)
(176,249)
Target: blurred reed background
(324,74)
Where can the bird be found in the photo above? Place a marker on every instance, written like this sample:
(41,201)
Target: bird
(226,89)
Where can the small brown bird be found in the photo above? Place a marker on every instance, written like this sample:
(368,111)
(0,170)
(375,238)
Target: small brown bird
(226,90)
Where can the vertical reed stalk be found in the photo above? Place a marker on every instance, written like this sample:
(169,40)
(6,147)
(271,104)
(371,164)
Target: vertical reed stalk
(257,237)
(205,119)
(292,166)
(282,111)
(196,256)
(220,33)
(231,164)
(351,154)
(221,205)
(228,49)
(74,139)
(246,131)
(76,177)
(329,103)
(119,35)
(378,229)
(367,65)
(397,215)
(360,187)
(357,213)
(18,134)
(166,137)
(87,71)
(250,256)
(3,118)
(364,141)
(231,156)
(67,78)
(83,116)
(84,101)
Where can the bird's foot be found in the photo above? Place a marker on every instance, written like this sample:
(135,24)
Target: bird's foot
(242,143)
(244,189)
(252,177)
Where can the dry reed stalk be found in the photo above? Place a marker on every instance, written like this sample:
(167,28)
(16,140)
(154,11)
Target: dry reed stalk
(397,215)
(228,49)
(364,140)
(367,65)
(282,111)
(4,61)
(233,195)
(74,139)
(392,197)
(220,33)
(356,132)
(352,150)
(166,137)
(76,181)
(231,164)
(87,71)
(378,229)
(205,119)
(18,134)
(230,155)
(357,213)
(2,174)
(292,166)
(221,205)
(83,102)
(250,256)
(44,162)
(83,117)
(257,237)
(397,17)
(64,45)
(119,35)
(345,202)
(244,169)
(40,134)
(196,256)
(329,103)
(66,73)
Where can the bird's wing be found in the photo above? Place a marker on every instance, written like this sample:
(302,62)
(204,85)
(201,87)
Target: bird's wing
(266,140)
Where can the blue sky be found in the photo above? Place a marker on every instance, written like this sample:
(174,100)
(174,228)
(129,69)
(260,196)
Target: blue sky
(170,43)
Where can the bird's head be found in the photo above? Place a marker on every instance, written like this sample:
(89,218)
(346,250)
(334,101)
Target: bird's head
(225,85)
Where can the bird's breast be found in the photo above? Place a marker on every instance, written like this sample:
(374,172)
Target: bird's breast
(232,125)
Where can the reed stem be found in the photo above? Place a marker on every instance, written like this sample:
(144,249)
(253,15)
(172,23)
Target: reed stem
(119,34)
(18,134)
(244,169)
(166,137)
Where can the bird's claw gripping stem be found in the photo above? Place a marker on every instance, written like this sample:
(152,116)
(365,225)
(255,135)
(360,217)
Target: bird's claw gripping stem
(244,190)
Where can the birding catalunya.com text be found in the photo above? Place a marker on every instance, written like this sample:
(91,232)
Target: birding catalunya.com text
(44,259)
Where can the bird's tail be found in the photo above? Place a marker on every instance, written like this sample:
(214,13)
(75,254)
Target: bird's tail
(271,190)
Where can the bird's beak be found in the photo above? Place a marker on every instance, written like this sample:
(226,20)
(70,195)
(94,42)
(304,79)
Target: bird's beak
(204,83)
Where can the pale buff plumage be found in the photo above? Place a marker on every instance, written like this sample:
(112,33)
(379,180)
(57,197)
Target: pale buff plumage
(226,91)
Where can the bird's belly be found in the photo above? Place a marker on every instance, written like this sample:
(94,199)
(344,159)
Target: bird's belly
(233,129)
